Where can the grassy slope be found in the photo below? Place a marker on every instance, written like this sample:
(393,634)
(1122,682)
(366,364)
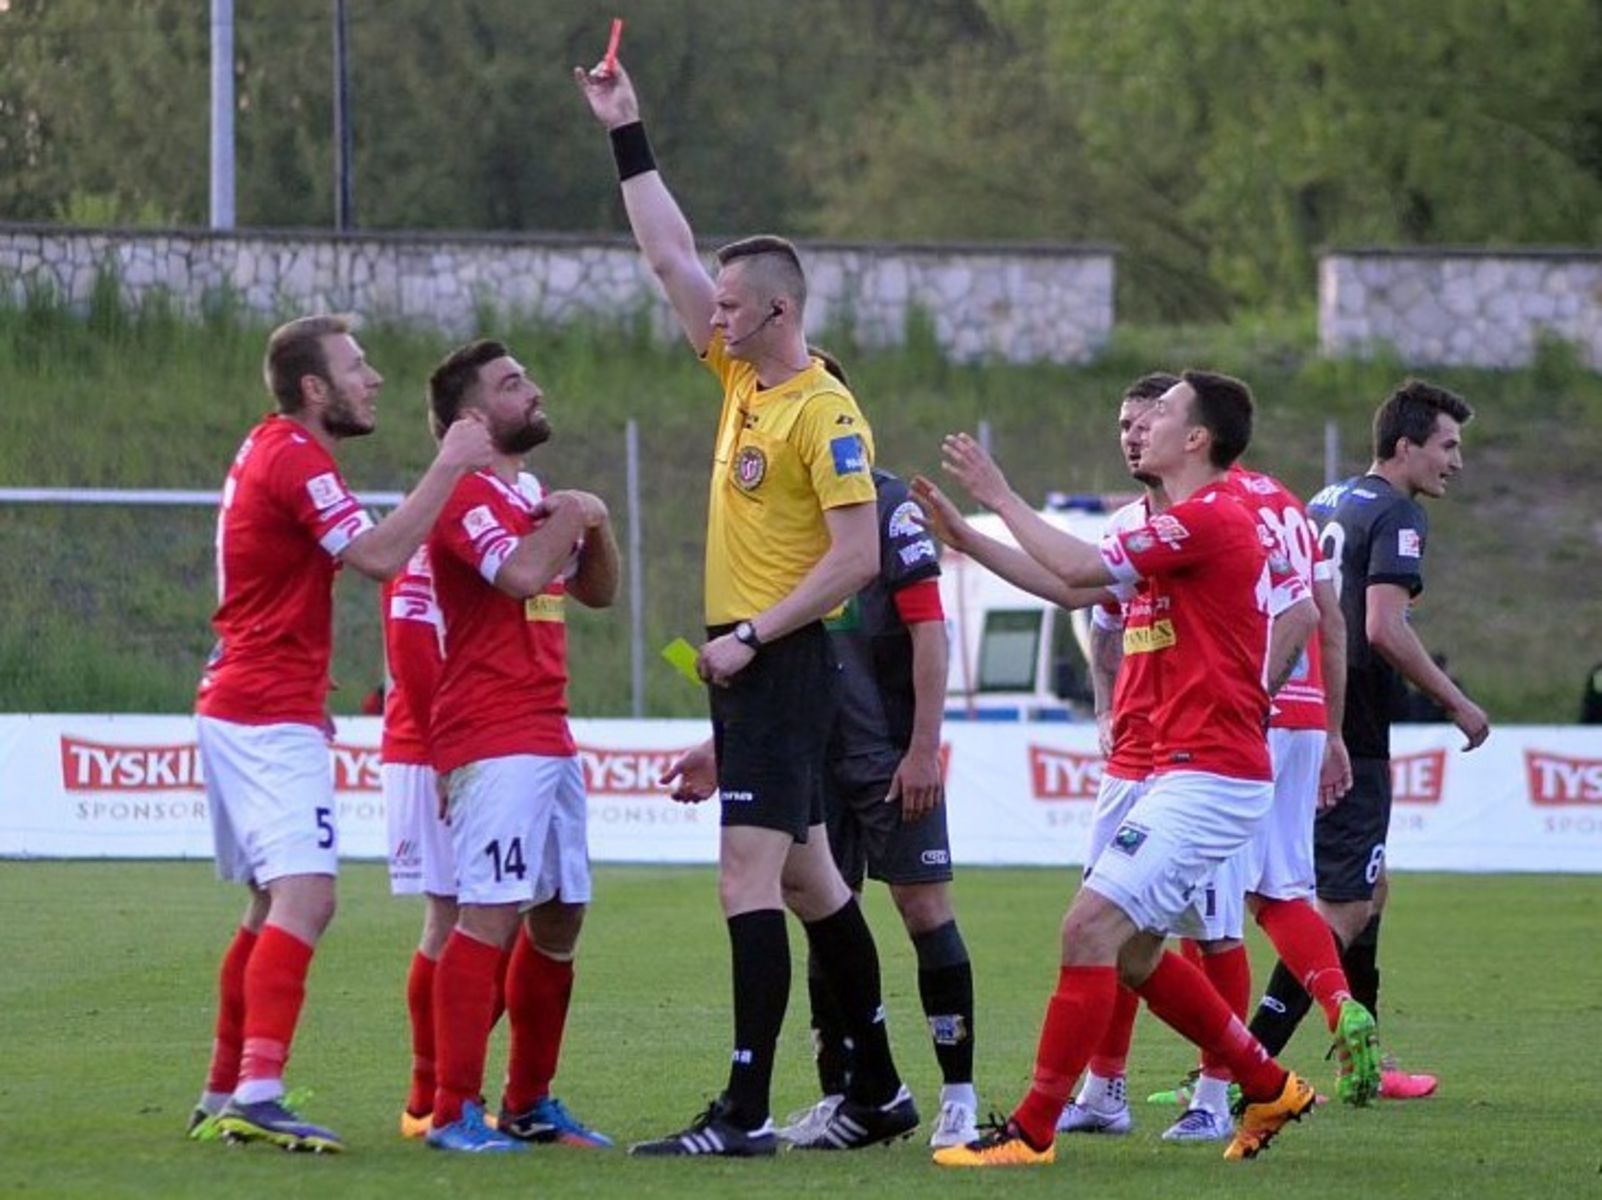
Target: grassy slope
(107,996)
(108,608)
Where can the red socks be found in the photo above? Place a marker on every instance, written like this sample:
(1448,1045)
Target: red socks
(538,991)
(1112,1056)
(464,1010)
(1076,1018)
(1307,947)
(274,988)
(229,1041)
(1230,973)
(420,1006)
(1179,995)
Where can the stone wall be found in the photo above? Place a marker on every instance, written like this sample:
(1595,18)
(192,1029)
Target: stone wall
(1482,308)
(1015,303)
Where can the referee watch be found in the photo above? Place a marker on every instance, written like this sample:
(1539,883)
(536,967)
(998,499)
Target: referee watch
(745,633)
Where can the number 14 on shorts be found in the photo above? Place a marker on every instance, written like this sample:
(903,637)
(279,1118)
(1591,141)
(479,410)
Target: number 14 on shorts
(511,864)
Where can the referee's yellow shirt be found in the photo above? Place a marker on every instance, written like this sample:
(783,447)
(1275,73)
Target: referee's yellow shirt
(783,456)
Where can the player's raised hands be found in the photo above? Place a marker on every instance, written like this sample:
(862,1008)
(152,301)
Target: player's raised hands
(610,93)
(940,515)
(971,465)
(466,445)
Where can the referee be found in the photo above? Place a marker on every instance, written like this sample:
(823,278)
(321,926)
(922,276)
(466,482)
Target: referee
(791,535)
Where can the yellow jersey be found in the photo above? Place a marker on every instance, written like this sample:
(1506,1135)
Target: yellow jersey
(783,456)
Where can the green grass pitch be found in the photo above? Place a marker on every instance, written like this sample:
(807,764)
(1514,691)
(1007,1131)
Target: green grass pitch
(106,995)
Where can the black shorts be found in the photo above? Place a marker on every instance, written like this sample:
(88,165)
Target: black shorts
(868,838)
(770,728)
(1349,839)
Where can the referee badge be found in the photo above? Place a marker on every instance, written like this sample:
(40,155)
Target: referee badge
(750,467)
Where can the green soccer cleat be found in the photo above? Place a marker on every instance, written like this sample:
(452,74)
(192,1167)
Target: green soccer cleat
(1357,1049)
(1184,1092)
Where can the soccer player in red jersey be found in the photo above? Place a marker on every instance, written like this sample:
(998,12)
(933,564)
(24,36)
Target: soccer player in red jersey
(286,525)
(1208,571)
(421,860)
(506,556)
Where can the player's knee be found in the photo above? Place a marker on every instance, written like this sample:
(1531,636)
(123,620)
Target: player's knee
(923,906)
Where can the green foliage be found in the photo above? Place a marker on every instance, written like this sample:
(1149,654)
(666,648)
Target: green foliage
(125,955)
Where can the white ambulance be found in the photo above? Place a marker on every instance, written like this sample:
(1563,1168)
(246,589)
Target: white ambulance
(1014,656)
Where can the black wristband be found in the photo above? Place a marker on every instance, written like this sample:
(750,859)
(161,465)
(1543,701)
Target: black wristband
(631,150)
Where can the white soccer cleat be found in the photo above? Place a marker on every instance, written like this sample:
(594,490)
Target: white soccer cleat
(1081,1118)
(956,1125)
(808,1124)
(1199,1125)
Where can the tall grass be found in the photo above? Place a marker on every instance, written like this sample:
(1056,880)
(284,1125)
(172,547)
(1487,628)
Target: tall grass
(108,610)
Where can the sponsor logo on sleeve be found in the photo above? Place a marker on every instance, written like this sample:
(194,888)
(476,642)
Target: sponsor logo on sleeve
(1169,529)
(1418,778)
(478,520)
(326,491)
(919,550)
(1408,544)
(849,456)
(1557,780)
(1138,542)
(906,521)
(1063,775)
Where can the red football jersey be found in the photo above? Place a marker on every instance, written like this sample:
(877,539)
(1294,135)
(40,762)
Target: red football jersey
(1134,689)
(1207,568)
(286,516)
(1300,703)
(412,634)
(503,687)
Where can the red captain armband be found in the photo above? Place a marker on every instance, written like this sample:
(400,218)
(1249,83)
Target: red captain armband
(920,602)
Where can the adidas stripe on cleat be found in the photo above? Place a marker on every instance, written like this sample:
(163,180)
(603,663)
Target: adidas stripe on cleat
(855,1125)
(712,1134)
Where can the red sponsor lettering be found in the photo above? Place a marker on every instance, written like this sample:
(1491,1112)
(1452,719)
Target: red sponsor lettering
(610,772)
(96,767)
(1418,778)
(356,768)
(1062,775)
(1557,779)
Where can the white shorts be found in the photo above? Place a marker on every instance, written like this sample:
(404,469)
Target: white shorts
(270,791)
(1279,861)
(1114,798)
(519,830)
(1223,898)
(420,855)
(1163,855)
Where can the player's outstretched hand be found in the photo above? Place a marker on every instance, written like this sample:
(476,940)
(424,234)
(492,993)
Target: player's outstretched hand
(940,515)
(610,93)
(1471,719)
(466,445)
(693,776)
(1335,775)
(971,465)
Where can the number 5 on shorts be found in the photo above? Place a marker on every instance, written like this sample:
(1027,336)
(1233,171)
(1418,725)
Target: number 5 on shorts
(325,828)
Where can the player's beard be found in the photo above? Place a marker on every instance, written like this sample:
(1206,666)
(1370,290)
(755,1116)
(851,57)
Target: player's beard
(342,420)
(532,431)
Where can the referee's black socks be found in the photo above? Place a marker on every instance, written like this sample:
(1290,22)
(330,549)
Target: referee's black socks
(760,946)
(842,946)
(945,985)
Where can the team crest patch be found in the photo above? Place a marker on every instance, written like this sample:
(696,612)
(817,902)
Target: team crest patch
(1169,528)
(950,1029)
(325,491)
(849,457)
(1139,542)
(906,521)
(750,467)
(1408,544)
(1129,839)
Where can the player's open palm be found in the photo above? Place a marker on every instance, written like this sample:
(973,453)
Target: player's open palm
(971,465)
(940,515)
(610,93)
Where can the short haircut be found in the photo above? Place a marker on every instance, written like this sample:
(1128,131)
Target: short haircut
(1410,412)
(1149,387)
(773,263)
(295,350)
(1223,407)
(450,381)
(830,363)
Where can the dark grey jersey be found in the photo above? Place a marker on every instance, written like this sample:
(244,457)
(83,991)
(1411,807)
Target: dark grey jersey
(877,702)
(1374,534)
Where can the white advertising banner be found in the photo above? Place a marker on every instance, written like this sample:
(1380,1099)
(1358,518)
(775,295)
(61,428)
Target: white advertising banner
(92,786)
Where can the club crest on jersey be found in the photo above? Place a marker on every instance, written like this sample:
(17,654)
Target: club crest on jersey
(1408,544)
(1139,542)
(325,490)
(905,521)
(750,467)
(849,456)
(1129,839)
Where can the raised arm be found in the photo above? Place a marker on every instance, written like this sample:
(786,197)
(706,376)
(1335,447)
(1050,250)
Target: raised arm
(659,226)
